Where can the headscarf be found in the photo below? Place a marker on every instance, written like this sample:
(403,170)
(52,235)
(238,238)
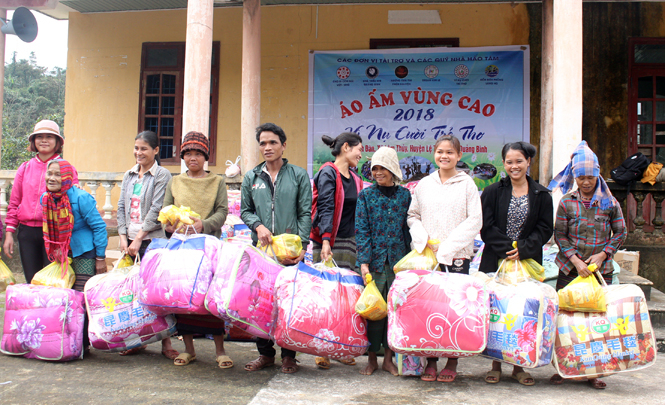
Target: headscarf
(387,158)
(195,141)
(57,215)
(583,162)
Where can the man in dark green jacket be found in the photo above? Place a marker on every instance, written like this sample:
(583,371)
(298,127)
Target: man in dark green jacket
(276,198)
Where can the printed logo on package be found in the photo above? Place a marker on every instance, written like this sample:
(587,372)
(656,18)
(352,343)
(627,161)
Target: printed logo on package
(372,72)
(492,71)
(401,71)
(431,71)
(461,71)
(343,72)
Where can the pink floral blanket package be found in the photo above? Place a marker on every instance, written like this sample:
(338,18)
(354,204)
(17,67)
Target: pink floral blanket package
(176,273)
(316,312)
(117,321)
(522,323)
(241,291)
(596,344)
(435,314)
(44,323)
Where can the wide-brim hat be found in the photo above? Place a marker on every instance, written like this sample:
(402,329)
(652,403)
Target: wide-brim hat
(387,158)
(46,127)
(195,141)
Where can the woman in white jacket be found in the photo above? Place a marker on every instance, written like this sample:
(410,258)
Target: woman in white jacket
(446,206)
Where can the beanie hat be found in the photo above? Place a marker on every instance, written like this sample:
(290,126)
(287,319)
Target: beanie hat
(387,158)
(195,141)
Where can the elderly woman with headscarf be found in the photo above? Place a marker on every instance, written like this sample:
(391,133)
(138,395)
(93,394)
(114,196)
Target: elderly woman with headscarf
(590,206)
(73,227)
(382,239)
(205,193)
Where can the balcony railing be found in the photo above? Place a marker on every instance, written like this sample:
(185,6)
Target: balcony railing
(643,211)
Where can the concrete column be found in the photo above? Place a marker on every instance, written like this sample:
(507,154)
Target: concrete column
(198,58)
(3,14)
(561,105)
(250,113)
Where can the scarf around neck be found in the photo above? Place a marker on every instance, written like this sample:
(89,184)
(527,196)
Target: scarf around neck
(57,215)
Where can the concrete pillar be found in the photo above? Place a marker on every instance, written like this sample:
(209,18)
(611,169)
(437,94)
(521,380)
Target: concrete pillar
(198,58)
(250,113)
(561,104)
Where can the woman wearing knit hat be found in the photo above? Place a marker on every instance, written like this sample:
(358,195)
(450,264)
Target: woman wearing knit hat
(205,194)
(591,205)
(381,244)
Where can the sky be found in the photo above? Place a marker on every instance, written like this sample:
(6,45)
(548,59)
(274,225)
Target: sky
(50,46)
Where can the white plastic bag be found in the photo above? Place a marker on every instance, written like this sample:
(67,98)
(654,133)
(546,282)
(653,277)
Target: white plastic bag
(233,169)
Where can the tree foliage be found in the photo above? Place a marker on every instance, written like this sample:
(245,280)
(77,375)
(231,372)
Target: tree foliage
(32,93)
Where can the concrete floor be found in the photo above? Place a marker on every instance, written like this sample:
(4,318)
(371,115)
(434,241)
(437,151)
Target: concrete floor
(150,378)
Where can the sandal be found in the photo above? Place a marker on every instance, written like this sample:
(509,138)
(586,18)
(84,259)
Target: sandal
(186,358)
(348,362)
(556,379)
(493,377)
(170,354)
(522,378)
(289,365)
(131,352)
(260,363)
(597,383)
(446,373)
(224,359)
(429,374)
(322,362)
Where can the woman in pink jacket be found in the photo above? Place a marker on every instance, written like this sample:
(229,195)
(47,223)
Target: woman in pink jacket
(24,213)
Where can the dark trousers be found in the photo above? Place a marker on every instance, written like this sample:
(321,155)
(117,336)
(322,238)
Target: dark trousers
(266,348)
(32,250)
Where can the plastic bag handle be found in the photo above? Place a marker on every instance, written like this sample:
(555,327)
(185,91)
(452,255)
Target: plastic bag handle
(322,263)
(501,269)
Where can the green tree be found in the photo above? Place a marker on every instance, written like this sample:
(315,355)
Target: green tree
(32,93)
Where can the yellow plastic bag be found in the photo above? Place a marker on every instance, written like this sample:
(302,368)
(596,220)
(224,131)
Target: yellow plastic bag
(371,304)
(514,271)
(284,246)
(52,275)
(583,294)
(6,276)
(126,261)
(170,214)
(418,261)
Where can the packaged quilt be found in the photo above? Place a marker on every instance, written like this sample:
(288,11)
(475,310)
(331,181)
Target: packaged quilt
(176,273)
(410,365)
(522,323)
(117,321)
(44,323)
(596,344)
(316,312)
(241,291)
(435,314)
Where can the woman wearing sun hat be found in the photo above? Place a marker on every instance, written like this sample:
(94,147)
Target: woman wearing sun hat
(24,213)
(205,194)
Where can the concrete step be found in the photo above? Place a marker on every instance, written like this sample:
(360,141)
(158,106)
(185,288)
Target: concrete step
(626,277)
(657,312)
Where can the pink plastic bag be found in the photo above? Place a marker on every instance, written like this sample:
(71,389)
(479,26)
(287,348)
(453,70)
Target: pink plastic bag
(241,291)
(44,323)
(316,312)
(117,321)
(437,314)
(176,273)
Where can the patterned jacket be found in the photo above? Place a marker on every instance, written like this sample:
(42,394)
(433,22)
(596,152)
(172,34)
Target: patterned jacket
(586,232)
(381,231)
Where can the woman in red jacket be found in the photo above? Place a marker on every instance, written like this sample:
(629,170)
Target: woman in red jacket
(336,189)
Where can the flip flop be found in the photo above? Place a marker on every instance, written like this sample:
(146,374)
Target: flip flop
(224,359)
(597,383)
(170,354)
(261,362)
(322,363)
(447,373)
(429,374)
(289,365)
(185,357)
(348,362)
(493,374)
(131,352)
(522,376)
